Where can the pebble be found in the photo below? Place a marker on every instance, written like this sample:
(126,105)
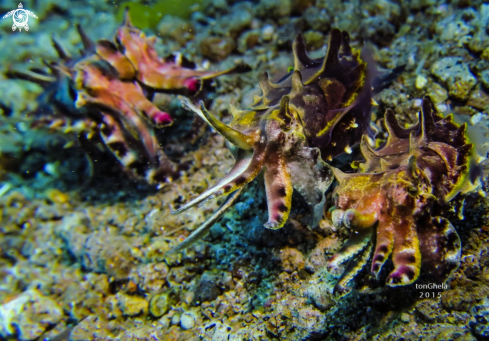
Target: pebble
(314,40)
(292,259)
(175,28)
(476,118)
(132,305)
(207,289)
(441,107)
(216,48)
(479,99)
(484,78)
(421,81)
(317,18)
(405,317)
(239,19)
(437,93)
(159,305)
(378,30)
(267,32)
(175,319)
(277,9)
(456,75)
(453,31)
(28,315)
(319,296)
(187,321)
(479,41)
(485,54)
(149,277)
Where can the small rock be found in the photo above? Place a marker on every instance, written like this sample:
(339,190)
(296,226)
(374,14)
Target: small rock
(479,41)
(107,253)
(314,40)
(484,78)
(454,31)
(392,98)
(292,259)
(428,310)
(457,299)
(207,289)
(248,40)
(479,99)
(47,212)
(438,95)
(239,20)
(456,76)
(217,231)
(421,82)
(317,18)
(159,304)
(378,30)
(485,54)
(405,317)
(149,277)
(475,119)
(213,7)
(91,328)
(320,296)
(188,297)
(187,321)
(481,313)
(219,332)
(267,33)
(175,319)
(132,305)
(175,28)
(28,315)
(317,258)
(287,33)
(277,9)
(179,274)
(217,48)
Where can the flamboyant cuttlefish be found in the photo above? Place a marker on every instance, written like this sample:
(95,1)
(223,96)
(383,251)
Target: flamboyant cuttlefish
(112,86)
(317,112)
(312,114)
(393,204)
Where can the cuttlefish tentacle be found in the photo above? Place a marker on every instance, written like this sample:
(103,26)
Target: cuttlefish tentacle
(234,136)
(254,168)
(279,190)
(361,226)
(243,162)
(206,226)
(406,254)
(357,248)
(355,264)
(384,246)
(113,136)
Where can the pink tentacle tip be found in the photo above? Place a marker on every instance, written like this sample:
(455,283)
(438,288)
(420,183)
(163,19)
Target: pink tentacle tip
(162,118)
(192,84)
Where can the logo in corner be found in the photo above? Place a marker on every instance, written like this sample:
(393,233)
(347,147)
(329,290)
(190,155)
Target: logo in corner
(20,17)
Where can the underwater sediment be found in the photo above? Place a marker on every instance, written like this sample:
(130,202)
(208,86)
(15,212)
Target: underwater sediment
(85,239)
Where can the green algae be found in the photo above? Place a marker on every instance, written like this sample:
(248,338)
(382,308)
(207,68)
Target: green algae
(149,15)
